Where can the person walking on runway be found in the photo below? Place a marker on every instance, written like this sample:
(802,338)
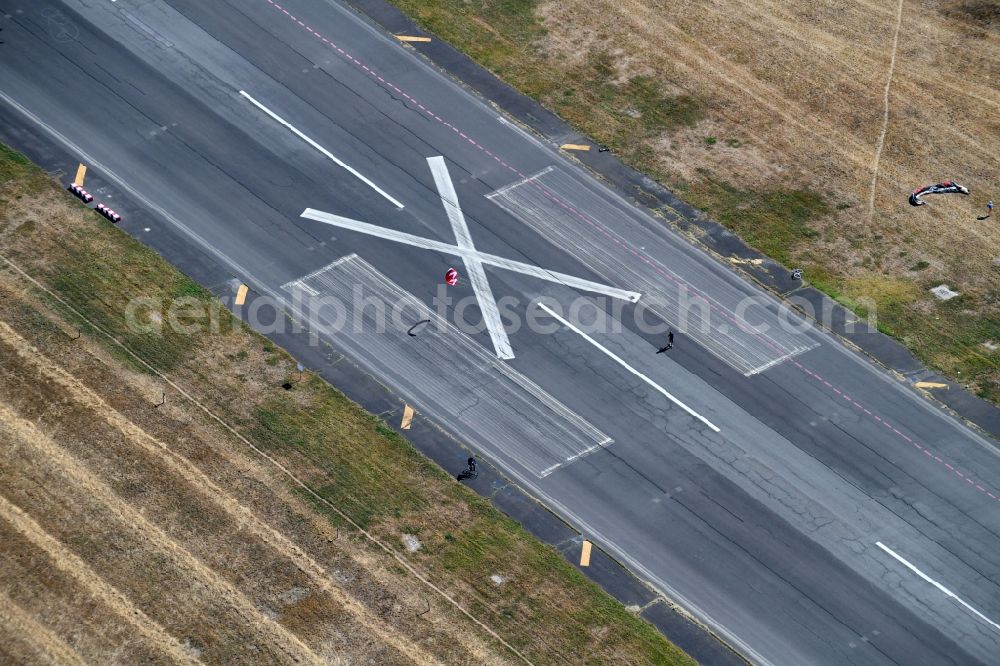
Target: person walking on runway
(670,343)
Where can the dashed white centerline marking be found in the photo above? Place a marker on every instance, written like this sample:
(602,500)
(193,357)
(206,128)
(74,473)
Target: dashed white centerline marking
(945,590)
(322,150)
(628,367)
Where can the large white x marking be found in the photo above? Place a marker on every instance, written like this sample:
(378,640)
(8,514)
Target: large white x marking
(473,258)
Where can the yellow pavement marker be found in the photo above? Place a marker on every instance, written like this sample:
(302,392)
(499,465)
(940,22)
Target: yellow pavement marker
(81,173)
(585,554)
(574,146)
(241,294)
(410,38)
(930,385)
(407,418)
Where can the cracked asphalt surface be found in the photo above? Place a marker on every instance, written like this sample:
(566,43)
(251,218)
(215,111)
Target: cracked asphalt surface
(766,530)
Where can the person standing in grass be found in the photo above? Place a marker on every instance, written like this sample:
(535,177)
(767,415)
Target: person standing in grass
(989,210)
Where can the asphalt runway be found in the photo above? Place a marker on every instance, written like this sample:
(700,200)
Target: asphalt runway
(800,501)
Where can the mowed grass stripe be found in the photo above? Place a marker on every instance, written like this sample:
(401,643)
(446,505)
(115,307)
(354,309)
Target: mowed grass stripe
(46,463)
(22,627)
(69,562)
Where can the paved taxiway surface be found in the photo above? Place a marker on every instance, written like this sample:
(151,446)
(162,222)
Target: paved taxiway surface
(762,517)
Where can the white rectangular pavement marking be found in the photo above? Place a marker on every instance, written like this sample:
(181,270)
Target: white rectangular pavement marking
(628,367)
(945,590)
(321,149)
(686,293)
(444,373)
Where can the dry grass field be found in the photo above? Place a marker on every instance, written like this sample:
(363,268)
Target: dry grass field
(135,533)
(769,115)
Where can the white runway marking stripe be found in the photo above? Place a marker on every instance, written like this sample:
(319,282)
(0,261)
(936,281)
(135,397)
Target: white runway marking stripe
(477,276)
(519,183)
(576,456)
(488,259)
(322,150)
(628,367)
(945,590)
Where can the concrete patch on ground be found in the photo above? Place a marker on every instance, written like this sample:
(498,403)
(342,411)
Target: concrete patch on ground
(943,292)
(411,542)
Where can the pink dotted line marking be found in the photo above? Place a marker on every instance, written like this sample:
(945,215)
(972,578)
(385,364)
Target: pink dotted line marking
(920,447)
(631,250)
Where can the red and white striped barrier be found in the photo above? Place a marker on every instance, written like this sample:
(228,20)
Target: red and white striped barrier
(108,213)
(83,194)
